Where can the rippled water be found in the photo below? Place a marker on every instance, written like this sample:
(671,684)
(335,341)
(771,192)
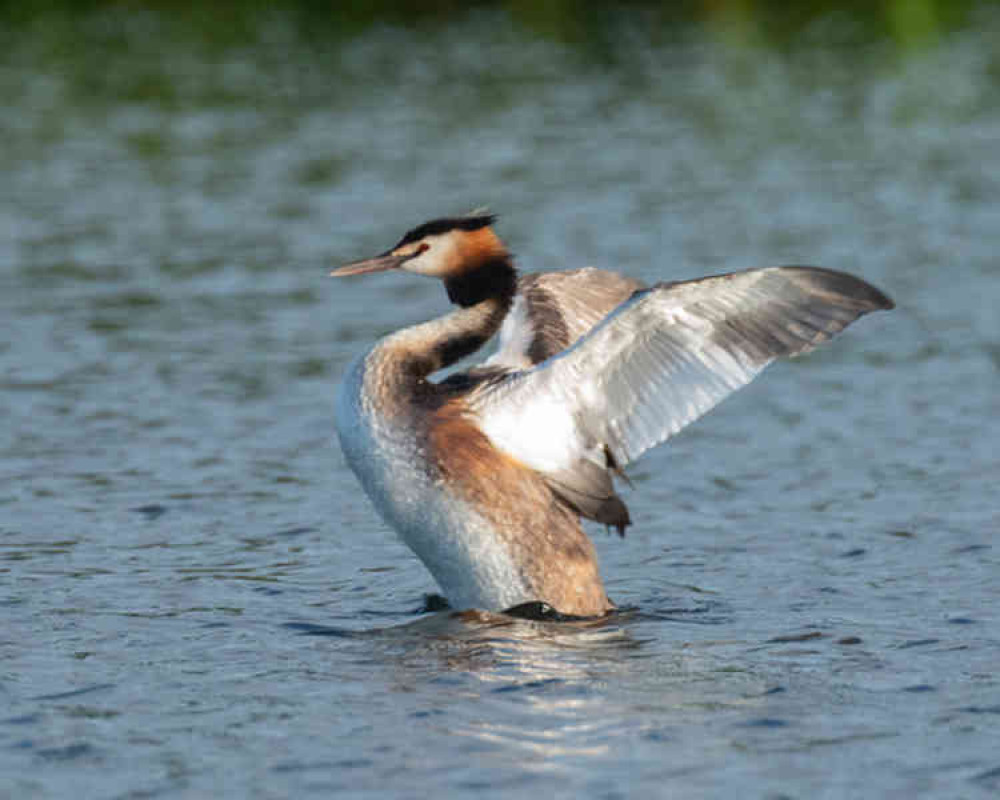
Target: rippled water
(195,597)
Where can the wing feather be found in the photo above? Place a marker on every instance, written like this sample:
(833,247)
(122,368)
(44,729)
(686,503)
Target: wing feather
(660,360)
(552,310)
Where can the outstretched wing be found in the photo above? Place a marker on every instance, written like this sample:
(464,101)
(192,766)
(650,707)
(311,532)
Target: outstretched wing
(554,309)
(659,361)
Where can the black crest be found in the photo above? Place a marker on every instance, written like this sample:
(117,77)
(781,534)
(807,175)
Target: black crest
(472,222)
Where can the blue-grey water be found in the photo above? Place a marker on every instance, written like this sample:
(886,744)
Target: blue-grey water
(196,599)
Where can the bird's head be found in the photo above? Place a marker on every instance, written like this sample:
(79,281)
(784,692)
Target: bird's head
(445,248)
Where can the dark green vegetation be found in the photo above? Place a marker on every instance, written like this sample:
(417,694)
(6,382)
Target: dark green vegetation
(185,54)
(593,23)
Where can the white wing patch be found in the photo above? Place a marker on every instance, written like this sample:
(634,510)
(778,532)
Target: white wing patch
(545,437)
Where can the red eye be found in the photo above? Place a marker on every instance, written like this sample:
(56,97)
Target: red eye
(424,247)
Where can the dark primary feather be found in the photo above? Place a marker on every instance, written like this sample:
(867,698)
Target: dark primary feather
(786,311)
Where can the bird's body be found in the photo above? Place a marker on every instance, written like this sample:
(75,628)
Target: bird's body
(486,474)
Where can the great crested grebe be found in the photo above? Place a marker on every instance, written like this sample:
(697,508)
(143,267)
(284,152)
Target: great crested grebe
(486,474)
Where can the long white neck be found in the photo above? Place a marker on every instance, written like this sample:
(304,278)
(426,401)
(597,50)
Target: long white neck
(484,296)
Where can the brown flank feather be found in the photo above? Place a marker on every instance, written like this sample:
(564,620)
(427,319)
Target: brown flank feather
(544,536)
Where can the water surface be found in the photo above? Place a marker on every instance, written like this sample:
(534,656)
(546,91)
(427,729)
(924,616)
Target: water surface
(195,597)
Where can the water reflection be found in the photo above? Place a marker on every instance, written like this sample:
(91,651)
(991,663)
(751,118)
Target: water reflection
(534,694)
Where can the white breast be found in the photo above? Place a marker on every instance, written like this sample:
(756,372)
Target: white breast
(462,550)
